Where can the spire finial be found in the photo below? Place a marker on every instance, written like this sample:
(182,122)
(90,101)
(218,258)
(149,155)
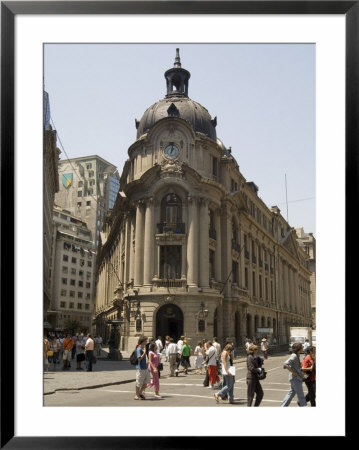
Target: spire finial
(177,59)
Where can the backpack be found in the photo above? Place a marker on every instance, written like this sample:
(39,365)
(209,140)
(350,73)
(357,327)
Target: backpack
(133,357)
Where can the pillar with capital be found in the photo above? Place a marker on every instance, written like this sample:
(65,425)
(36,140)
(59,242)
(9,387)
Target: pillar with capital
(217,260)
(139,243)
(192,243)
(149,243)
(204,243)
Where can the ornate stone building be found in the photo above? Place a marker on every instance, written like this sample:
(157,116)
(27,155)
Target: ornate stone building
(189,247)
(308,243)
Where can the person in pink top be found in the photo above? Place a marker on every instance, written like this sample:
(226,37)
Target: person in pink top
(153,361)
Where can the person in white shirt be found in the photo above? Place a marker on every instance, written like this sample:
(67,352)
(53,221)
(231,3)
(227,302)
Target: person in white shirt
(217,346)
(172,356)
(212,356)
(159,344)
(179,351)
(306,345)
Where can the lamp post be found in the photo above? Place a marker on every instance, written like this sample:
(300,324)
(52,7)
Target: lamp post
(114,353)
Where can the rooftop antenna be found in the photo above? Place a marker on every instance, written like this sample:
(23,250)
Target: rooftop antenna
(286,195)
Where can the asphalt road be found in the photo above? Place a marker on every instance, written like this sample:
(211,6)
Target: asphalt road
(184,390)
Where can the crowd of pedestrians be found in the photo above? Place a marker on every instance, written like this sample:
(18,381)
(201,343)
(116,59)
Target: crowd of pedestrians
(66,348)
(209,360)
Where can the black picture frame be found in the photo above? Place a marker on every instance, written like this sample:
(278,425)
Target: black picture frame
(9,9)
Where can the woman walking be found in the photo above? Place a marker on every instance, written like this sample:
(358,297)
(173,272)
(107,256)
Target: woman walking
(253,384)
(308,366)
(228,376)
(167,343)
(295,376)
(211,354)
(198,352)
(186,353)
(153,361)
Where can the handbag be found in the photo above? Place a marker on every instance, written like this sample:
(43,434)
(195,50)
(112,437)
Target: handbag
(305,375)
(262,375)
(160,366)
(50,353)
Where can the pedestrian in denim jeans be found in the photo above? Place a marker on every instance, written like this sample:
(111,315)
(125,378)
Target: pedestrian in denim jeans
(228,377)
(295,377)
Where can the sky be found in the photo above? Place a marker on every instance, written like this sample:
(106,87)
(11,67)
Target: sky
(263,96)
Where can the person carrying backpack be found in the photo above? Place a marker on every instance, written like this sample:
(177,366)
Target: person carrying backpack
(142,373)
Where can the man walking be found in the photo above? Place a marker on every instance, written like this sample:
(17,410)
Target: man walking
(67,346)
(89,348)
(179,351)
(172,356)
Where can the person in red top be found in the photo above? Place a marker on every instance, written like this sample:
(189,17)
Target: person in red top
(67,345)
(308,366)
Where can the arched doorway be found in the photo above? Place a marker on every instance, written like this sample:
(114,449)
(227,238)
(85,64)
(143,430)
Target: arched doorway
(169,321)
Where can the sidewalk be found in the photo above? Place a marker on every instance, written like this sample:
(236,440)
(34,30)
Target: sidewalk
(105,373)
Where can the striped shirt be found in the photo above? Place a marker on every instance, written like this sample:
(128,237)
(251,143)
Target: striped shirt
(293,363)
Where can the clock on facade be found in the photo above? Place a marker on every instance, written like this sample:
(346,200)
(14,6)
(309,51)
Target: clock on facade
(171,151)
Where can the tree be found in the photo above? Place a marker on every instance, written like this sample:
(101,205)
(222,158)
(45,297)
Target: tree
(72,325)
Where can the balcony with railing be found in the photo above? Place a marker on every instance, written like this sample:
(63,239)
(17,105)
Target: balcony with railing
(177,283)
(254,259)
(171,228)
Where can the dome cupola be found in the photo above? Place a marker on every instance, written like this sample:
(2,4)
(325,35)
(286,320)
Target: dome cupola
(177,104)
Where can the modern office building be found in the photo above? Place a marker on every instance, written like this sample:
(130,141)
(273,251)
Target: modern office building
(189,246)
(87,188)
(50,187)
(72,272)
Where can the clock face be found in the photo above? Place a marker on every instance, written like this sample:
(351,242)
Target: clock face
(171,151)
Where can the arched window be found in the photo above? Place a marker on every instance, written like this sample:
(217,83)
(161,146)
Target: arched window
(171,209)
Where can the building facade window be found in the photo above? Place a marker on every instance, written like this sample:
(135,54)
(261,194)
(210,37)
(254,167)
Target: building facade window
(201,326)
(62,304)
(170,261)
(63,293)
(72,293)
(64,280)
(171,209)
(65,258)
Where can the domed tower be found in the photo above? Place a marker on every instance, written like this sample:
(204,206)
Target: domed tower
(175,239)
(177,104)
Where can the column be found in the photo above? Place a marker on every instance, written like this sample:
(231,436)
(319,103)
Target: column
(192,243)
(132,248)
(126,276)
(217,262)
(204,244)
(139,241)
(148,244)
(241,259)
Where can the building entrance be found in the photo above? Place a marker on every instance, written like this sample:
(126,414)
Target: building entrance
(169,321)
